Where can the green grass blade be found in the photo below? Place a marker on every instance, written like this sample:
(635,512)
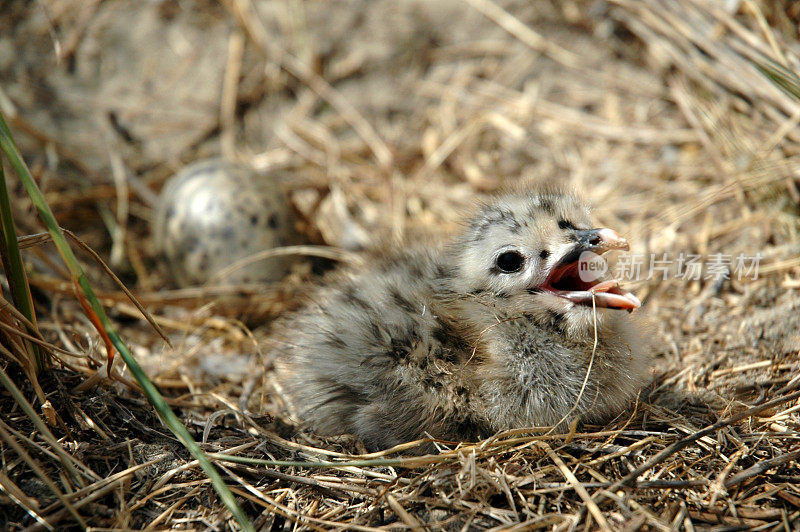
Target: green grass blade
(167,415)
(781,77)
(15,270)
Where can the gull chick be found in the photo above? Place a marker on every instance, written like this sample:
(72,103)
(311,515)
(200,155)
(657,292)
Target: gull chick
(497,330)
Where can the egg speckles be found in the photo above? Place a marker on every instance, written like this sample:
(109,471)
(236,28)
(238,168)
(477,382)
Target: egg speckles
(212,214)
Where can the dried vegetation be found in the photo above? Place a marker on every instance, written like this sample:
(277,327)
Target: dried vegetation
(387,119)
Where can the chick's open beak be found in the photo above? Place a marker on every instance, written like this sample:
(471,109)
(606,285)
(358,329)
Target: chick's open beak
(566,280)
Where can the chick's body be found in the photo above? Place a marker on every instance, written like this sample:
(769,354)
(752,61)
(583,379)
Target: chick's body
(495,331)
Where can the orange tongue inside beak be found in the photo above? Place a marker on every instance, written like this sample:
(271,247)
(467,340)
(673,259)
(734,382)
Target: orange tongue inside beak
(565,281)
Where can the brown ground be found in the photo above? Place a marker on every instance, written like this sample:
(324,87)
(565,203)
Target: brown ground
(652,110)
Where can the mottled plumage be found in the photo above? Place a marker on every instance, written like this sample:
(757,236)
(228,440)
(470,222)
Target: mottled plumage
(492,332)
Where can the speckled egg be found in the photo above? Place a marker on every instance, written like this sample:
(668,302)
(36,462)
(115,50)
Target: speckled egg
(214,213)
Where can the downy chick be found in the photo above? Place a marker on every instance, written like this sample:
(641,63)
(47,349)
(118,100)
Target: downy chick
(495,331)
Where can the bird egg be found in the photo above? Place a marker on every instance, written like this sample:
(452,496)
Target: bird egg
(214,214)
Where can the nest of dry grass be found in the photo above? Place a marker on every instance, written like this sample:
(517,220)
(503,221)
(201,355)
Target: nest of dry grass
(396,116)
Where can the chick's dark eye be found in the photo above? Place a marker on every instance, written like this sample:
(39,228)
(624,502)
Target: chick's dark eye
(510,261)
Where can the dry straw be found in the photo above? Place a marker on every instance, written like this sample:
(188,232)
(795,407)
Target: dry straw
(677,119)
